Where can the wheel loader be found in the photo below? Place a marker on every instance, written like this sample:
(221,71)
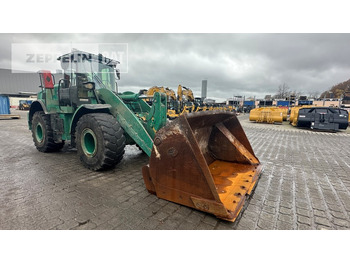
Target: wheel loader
(201,160)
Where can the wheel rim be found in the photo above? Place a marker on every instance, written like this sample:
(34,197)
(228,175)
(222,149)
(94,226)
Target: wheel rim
(39,134)
(89,142)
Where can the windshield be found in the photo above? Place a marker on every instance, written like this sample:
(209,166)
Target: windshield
(101,74)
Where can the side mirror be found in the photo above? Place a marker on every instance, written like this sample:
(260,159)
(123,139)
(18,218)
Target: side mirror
(117,72)
(89,85)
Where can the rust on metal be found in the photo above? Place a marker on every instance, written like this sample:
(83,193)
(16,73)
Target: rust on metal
(238,145)
(205,161)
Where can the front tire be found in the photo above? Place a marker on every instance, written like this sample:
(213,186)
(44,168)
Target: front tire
(43,134)
(100,141)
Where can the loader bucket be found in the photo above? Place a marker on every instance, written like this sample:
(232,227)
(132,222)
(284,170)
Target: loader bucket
(203,160)
(266,115)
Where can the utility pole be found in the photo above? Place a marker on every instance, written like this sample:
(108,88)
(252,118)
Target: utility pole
(324,98)
(254,101)
(289,100)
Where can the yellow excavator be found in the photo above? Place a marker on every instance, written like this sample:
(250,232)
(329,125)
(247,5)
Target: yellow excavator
(199,104)
(231,108)
(173,103)
(185,103)
(150,92)
(169,92)
(184,93)
(186,99)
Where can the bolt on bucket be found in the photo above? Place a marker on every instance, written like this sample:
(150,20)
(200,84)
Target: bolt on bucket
(203,160)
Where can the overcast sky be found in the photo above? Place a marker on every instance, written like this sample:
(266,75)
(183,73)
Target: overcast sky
(233,64)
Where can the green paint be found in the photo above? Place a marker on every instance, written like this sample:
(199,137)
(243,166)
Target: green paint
(89,142)
(139,120)
(39,133)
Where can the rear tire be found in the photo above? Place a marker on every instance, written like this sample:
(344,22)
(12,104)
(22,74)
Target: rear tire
(43,134)
(100,141)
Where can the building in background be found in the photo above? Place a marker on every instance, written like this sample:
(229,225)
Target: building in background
(209,101)
(204,89)
(20,86)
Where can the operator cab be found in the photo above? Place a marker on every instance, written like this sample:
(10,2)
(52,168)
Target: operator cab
(83,73)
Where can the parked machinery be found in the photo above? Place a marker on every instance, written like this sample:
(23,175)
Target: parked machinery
(231,108)
(147,94)
(184,94)
(185,103)
(321,118)
(343,113)
(269,115)
(294,111)
(24,104)
(173,105)
(284,112)
(169,92)
(202,160)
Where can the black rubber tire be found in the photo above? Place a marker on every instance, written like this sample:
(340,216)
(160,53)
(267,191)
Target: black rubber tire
(109,141)
(46,143)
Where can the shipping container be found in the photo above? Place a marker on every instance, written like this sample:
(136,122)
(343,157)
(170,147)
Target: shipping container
(265,103)
(249,103)
(283,103)
(304,102)
(4,105)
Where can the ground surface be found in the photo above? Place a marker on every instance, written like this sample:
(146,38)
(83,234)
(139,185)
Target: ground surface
(305,185)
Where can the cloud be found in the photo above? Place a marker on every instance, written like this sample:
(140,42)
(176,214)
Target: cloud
(233,64)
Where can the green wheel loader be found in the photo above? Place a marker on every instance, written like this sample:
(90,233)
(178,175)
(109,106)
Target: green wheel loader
(202,160)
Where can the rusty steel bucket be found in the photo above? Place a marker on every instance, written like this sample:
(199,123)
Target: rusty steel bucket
(203,160)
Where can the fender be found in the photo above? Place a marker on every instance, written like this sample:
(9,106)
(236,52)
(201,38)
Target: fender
(36,106)
(86,109)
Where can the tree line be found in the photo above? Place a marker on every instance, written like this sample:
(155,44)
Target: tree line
(337,91)
(285,92)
